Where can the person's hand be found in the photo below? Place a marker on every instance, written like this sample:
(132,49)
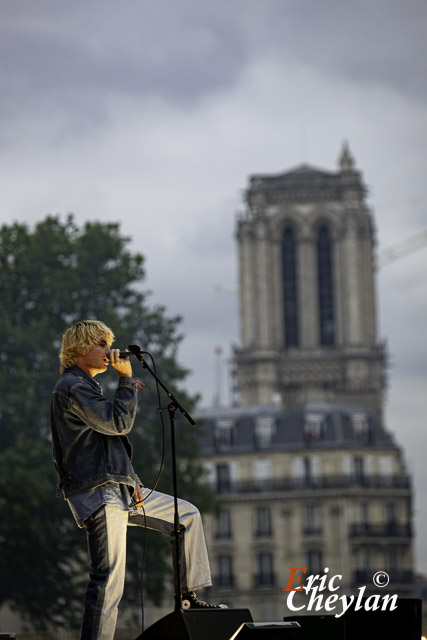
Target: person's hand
(138,497)
(121,365)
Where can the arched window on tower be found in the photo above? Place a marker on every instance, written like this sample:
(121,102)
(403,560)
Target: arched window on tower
(290,290)
(325,282)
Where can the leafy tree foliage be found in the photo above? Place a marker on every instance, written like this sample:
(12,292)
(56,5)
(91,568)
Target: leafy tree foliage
(50,277)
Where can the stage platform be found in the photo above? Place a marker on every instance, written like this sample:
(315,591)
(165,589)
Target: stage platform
(402,623)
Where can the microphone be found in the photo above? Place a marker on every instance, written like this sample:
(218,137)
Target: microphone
(134,350)
(123,354)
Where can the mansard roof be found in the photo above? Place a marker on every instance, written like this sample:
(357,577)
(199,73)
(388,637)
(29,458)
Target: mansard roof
(317,425)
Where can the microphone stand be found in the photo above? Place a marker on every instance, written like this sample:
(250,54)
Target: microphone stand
(172,407)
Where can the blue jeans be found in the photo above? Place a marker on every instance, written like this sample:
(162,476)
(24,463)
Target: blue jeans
(106,535)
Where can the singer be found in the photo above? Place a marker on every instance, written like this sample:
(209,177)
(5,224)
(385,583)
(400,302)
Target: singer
(93,458)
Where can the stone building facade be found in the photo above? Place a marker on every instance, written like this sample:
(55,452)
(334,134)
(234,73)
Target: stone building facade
(307,473)
(320,486)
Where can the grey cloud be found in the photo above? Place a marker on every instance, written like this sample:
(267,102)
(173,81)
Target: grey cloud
(75,58)
(74,55)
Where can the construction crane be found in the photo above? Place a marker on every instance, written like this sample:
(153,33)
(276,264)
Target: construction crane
(397,251)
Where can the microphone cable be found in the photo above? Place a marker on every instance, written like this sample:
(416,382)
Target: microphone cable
(156,482)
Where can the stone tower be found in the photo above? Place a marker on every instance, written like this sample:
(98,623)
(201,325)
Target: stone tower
(307,295)
(316,480)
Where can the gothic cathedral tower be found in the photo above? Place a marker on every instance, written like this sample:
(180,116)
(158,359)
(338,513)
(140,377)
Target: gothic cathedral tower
(307,295)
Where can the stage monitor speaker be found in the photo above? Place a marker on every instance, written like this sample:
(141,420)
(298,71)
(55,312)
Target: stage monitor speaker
(268,631)
(403,623)
(197,624)
(316,627)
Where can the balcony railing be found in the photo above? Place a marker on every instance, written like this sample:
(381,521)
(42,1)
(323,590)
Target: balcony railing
(309,483)
(387,530)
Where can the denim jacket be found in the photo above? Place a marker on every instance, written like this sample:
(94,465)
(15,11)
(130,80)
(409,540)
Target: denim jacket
(90,446)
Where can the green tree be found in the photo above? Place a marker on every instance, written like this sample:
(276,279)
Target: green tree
(51,276)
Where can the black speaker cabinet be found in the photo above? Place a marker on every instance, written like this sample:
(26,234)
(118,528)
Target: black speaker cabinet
(403,623)
(321,627)
(268,631)
(197,624)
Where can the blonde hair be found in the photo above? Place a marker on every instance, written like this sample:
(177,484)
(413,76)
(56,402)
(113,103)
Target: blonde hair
(81,337)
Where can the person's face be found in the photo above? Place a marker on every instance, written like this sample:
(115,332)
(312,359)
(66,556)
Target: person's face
(95,360)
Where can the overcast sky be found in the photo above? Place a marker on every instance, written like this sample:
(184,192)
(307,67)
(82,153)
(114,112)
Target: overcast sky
(154,114)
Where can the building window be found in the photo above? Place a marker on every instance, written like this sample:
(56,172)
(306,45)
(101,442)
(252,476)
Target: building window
(390,512)
(360,423)
(386,468)
(325,283)
(263,522)
(227,476)
(225,571)
(263,468)
(364,517)
(313,519)
(224,434)
(313,426)
(306,470)
(265,428)
(359,470)
(210,473)
(265,574)
(390,517)
(365,558)
(311,470)
(223,529)
(392,559)
(362,523)
(290,290)
(359,467)
(314,562)
(223,478)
